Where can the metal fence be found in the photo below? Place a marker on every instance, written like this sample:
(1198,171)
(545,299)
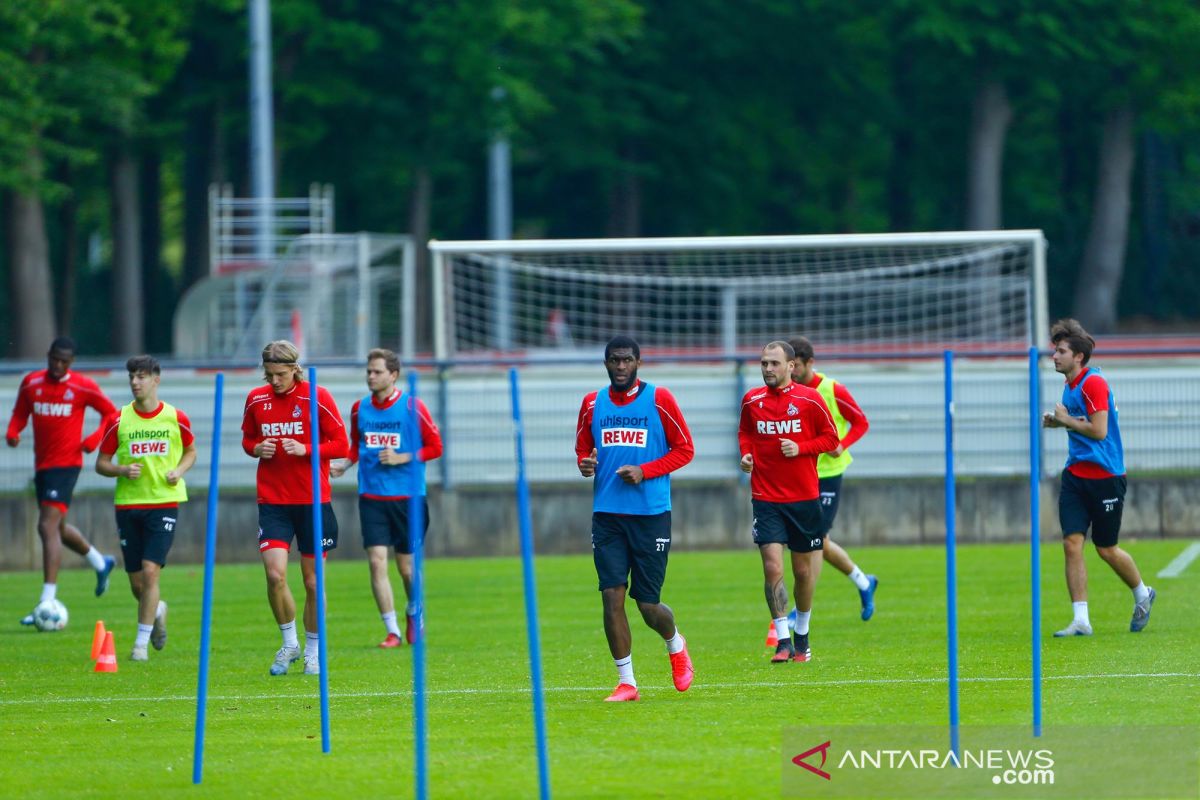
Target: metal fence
(1160,421)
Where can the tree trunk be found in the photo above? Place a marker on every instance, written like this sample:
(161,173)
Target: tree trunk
(991,114)
(419,200)
(30,297)
(128,298)
(900,173)
(68,220)
(624,203)
(160,300)
(1104,254)
(200,159)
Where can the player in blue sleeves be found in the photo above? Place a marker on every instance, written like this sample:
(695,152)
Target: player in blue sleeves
(630,437)
(391,458)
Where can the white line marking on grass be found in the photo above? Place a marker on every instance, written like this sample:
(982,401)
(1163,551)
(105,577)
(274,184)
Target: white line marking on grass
(525,690)
(1181,562)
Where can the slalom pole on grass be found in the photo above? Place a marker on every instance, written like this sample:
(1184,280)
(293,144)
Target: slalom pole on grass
(951,567)
(319,551)
(1035,532)
(416,533)
(531,612)
(210,561)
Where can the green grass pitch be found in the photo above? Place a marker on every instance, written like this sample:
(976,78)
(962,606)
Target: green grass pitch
(66,732)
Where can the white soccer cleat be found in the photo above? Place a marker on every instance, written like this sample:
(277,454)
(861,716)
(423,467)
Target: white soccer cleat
(312,664)
(140,653)
(1076,628)
(284,659)
(158,636)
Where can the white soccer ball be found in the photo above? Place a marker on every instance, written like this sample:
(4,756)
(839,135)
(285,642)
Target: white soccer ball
(50,616)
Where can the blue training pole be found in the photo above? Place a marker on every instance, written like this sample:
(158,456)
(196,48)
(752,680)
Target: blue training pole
(531,612)
(951,568)
(319,552)
(1035,531)
(210,565)
(416,532)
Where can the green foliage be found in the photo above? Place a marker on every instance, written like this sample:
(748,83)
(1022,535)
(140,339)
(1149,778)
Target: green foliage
(720,739)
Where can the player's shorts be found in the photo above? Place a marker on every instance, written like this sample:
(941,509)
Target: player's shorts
(831,494)
(1097,502)
(146,535)
(54,486)
(637,544)
(798,525)
(385,523)
(279,524)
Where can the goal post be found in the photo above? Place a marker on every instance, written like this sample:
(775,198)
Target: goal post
(973,290)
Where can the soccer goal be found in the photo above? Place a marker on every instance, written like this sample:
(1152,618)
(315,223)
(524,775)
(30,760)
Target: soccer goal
(982,290)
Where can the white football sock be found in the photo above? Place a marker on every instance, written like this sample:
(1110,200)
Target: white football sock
(143,635)
(389,622)
(1141,592)
(49,590)
(288,629)
(781,628)
(802,621)
(625,670)
(95,558)
(1081,613)
(859,578)
(312,643)
(675,643)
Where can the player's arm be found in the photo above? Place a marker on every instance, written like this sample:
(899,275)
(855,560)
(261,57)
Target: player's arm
(98,401)
(1095,398)
(586,456)
(20,415)
(825,437)
(854,415)
(680,450)
(431,437)
(108,448)
(333,442)
(339,468)
(745,440)
(252,445)
(188,458)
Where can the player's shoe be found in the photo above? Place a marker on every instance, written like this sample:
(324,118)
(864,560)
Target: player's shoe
(414,626)
(800,647)
(139,653)
(1141,612)
(681,668)
(867,596)
(783,652)
(284,659)
(27,619)
(102,575)
(158,635)
(772,638)
(392,640)
(1076,628)
(624,692)
(312,663)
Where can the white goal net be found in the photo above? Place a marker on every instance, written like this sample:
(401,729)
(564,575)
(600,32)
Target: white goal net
(724,295)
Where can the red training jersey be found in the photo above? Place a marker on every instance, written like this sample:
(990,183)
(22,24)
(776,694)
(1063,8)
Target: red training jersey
(849,408)
(680,449)
(58,408)
(109,443)
(768,417)
(286,479)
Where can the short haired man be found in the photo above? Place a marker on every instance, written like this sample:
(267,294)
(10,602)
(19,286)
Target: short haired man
(148,446)
(852,425)
(1092,493)
(276,429)
(630,437)
(58,400)
(391,458)
(783,428)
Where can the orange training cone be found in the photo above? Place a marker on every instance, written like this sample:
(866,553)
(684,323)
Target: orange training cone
(98,639)
(108,655)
